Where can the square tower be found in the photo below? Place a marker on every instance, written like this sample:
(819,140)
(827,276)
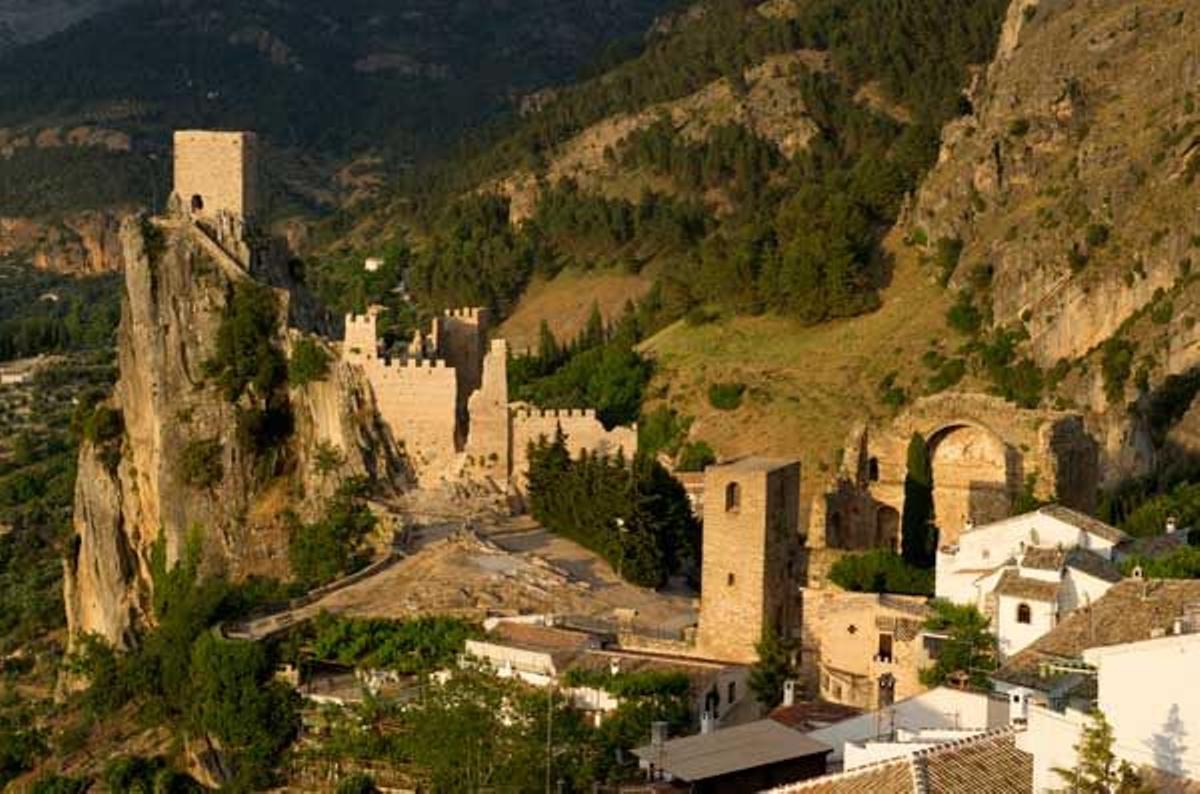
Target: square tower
(216,172)
(751,556)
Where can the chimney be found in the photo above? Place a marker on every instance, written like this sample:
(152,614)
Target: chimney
(658,734)
(789,692)
(614,667)
(708,723)
(1172,525)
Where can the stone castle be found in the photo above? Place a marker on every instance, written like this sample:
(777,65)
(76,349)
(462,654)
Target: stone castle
(445,398)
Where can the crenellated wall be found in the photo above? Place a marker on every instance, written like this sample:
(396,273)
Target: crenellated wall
(489,444)
(417,400)
(582,428)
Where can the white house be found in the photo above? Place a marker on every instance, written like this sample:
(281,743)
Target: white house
(1147,693)
(908,726)
(1028,571)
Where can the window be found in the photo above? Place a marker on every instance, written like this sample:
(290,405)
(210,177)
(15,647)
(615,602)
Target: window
(729,579)
(933,646)
(885,648)
(1024,613)
(197,203)
(732,692)
(873,469)
(733,497)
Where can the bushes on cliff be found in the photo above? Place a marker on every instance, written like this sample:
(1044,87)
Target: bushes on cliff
(247,356)
(418,646)
(309,362)
(199,463)
(326,549)
(636,516)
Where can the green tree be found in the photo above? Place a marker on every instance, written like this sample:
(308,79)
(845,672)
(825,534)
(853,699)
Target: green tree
(968,653)
(1097,769)
(918,538)
(309,362)
(776,664)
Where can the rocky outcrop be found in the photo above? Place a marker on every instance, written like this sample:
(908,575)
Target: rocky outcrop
(178,285)
(86,243)
(1074,182)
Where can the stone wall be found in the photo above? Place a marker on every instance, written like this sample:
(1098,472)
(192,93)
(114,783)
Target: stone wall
(220,169)
(489,444)
(750,557)
(841,659)
(417,401)
(461,339)
(583,431)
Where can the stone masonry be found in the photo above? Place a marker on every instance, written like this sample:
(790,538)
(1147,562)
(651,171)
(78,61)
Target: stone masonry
(217,172)
(447,403)
(751,557)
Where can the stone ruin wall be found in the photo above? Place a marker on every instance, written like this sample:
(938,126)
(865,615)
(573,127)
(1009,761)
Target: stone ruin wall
(460,336)
(583,430)
(489,445)
(983,452)
(417,401)
(219,167)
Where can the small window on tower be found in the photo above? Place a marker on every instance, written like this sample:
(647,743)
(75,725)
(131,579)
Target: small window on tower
(873,469)
(729,580)
(733,497)
(197,203)
(1024,613)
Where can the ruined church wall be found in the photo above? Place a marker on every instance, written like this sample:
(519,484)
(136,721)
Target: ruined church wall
(583,431)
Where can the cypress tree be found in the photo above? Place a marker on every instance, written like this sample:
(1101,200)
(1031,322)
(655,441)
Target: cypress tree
(918,544)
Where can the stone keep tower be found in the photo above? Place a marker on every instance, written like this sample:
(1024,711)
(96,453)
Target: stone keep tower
(216,172)
(751,556)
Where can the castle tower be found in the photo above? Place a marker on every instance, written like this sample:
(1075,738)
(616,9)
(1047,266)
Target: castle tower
(751,556)
(490,440)
(216,172)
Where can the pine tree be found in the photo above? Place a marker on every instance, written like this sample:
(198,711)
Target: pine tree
(776,664)
(1098,770)
(918,542)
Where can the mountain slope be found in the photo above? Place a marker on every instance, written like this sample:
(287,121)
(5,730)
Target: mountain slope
(25,21)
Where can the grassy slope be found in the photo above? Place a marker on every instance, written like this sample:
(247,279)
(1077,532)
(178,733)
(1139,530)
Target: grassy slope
(806,385)
(565,303)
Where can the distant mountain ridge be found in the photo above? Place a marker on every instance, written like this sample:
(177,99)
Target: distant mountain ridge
(26,21)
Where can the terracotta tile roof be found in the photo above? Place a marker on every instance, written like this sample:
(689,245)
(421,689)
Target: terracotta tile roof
(806,717)
(1155,546)
(539,638)
(1013,584)
(700,674)
(1044,558)
(988,763)
(1131,610)
(1084,522)
(1093,564)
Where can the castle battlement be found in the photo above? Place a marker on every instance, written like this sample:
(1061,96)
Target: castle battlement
(430,365)
(360,320)
(525,413)
(468,313)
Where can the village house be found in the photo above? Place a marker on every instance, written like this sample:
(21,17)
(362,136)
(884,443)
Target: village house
(1029,571)
(579,663)
(1133,655)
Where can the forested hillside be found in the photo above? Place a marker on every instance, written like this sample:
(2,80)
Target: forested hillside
(325,82)
(728,219)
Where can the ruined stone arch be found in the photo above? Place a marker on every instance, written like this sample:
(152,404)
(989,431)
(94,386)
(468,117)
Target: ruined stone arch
(973,475)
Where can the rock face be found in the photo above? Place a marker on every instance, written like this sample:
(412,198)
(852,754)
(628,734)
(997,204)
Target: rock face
(86,243)
(176,293)
(1074,181)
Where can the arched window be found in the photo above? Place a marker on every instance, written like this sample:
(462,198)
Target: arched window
(733,497)
(873,469)
(197,203)
(1024,613)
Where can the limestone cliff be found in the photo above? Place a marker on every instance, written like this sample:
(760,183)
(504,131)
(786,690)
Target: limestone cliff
(1071,191)
(178,285)
(84,243)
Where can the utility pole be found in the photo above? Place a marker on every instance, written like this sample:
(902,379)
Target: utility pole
(549,733)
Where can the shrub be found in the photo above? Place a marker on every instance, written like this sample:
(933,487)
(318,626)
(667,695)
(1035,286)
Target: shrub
(881,571)
(695,456)
(963,316)
(199,463)
(945,258)
(357,783)
(322,551)
(418,646)
(246,354)
(1097,235)
(309,362)
(1018,127)
(1116,365)
(948,375)
(726,396)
